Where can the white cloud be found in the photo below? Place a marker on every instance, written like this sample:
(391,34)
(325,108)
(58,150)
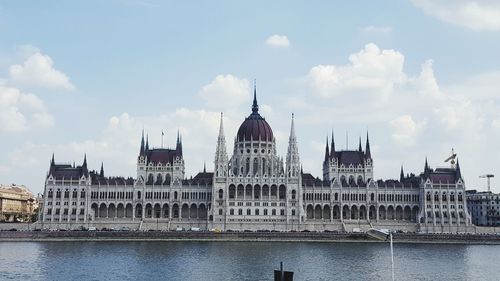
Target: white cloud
(477,14)
(20,112)
(38,71)
(376,29)
(278,41)
(226,91)
(405,130)
(370,76)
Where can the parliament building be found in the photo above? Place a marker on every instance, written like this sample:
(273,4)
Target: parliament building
(255,189)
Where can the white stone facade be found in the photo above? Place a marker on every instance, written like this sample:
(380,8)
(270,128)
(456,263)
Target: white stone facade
(256,189)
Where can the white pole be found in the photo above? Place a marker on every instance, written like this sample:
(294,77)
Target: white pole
(392,256)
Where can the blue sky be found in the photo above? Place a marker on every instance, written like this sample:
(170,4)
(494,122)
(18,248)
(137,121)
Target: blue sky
(87,76)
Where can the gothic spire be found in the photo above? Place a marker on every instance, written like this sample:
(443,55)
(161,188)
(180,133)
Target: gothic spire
(52,162)
(332,148)
(367,149)
(401,174)
(360,149)
(426,167)
(292,129)
(204,167)
(147,142)
(85,160)
(292,156)
(255,106)
(178,147)
(102,170)
(327,150)
(141,151)
(221,159)
(221,126)
(458,172)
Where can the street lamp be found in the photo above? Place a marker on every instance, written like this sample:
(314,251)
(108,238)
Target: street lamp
(383,235)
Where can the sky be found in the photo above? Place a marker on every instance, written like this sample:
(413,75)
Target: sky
(85,77)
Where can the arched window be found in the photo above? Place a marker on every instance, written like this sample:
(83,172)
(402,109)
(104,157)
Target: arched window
(255,166)
(221,193)
(138,195)
(175,195)
(294,193)
(247,166)
(372,197)
(263,166)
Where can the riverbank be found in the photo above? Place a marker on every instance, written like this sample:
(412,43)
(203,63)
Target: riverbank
(242,236)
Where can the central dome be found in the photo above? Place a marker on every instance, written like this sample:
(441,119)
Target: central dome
(255,126)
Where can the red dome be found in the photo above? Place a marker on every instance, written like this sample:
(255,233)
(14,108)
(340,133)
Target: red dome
(255,126)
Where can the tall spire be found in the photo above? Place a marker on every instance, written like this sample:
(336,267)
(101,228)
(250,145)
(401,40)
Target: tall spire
(426,167)
(401,174)
(292,156)
(332,147)
(178,147)
(367,149)
(255,106)
(360,149)
(141,151)
(327,150)
(221,126)
(221,159)
(84,160)
(458,172)
(178,138)
(204,167)
(292,129)
(147,142)
(102,170)
(52,162)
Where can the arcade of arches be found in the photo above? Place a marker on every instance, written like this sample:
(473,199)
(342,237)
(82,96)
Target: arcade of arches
(150,211)
(361,212)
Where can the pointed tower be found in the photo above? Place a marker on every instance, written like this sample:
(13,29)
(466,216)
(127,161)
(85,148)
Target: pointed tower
(221,159)
(52,168)
(102,170)
(147,142)
(141,151)
(85,170)
(178,146)
(368,153)
(327,152)
(255,106)
(332,147)
(401,174)
(360,149)
(458,172)
(292,156)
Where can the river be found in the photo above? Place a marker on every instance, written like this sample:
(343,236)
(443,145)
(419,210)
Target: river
(244,261)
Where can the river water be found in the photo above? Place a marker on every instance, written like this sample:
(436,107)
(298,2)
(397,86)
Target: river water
(244,261)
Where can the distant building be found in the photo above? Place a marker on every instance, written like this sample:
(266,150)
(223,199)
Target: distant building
(257,189)
(484,207)
(17,203)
